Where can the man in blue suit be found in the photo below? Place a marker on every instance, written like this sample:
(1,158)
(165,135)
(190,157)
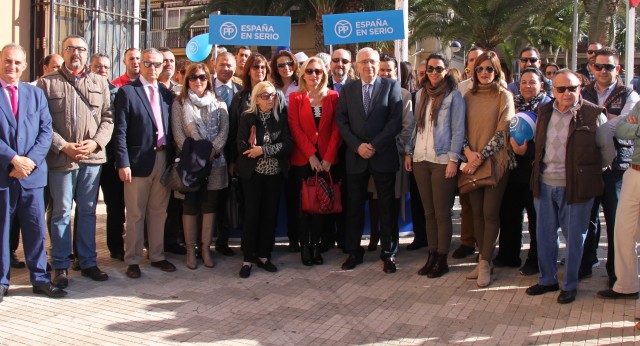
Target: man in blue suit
(369,117)
(25,138)
(143,149)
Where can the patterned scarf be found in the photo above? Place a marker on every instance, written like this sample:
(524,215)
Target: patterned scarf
(532,105)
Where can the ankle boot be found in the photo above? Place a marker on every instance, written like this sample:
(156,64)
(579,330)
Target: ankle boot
(440,268)
(484,273)
(317,257)
(207,234)
(431,261)
(473,275)
(190,225)
(306,255)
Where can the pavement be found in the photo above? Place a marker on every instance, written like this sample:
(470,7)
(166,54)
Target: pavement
(319,305)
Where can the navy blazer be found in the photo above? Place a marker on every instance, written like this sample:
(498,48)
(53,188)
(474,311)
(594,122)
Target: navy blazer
(29,136)
(135,133)
(379,126)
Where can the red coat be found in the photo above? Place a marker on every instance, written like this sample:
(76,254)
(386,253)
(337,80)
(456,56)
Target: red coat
(306,135)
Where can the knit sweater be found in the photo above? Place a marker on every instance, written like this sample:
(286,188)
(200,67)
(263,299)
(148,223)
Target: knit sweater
(489,112)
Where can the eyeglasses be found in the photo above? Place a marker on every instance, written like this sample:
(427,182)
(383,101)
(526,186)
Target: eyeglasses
(284,64)
(201,77)
(591,51)
(562,89)
(311,71)
(344,61)
(73,49)
(532,60)
(102,67)
(489,69)
(259,67)
(438,69)
(267,96)
(148,64)
(608,67)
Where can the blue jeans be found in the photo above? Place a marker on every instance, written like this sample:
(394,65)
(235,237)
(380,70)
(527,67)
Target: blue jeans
(80,185)
(553,212)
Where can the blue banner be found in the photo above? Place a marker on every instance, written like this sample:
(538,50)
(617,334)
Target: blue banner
(249,30)
(363,27)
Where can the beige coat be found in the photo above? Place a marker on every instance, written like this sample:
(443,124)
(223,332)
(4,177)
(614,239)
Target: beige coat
(72,119)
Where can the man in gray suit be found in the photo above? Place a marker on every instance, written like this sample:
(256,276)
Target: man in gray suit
(369,129)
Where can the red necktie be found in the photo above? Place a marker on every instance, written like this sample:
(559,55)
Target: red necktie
(14,99)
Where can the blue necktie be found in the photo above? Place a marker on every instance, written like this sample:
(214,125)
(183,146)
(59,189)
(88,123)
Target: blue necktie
(367,98)
(337,87)
(224,93)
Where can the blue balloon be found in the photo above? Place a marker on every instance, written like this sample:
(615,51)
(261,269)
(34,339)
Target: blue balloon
(198,48)
(523,126)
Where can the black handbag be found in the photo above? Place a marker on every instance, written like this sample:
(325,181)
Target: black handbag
(171,180)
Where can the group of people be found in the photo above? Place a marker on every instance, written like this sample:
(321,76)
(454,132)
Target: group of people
(268,125)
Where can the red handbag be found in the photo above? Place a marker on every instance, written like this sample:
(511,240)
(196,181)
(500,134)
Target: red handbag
(321,197)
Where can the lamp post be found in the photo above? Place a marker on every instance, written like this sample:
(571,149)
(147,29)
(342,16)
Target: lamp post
(455,47)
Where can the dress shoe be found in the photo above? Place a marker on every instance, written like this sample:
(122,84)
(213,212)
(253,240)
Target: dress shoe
(351,262)
(294,247)
(49,290)
(611,294)
(245,271)
(60,279)
(176,249)
(431,261)
(75,265)
(4,290)
(133,271)
(117,255)
(225,250)
(416,245)
(529,268)
(389,266)
(95,274)
(15,262)
(567,297)
(463,251)
(306,255)
(267,265)
(538,289)
(316,254)
(164,265)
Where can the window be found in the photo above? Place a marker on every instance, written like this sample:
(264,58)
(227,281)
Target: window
(297,16)
(176,16)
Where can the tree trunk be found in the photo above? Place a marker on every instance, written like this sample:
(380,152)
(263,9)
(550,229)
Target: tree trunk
(320,47)
(601,14)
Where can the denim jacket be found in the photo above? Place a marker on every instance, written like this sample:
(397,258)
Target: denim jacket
(449,130)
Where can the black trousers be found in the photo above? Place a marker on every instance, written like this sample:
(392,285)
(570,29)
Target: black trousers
(309,226)
(292,201)
(113,194)
(223,228)
(357,192)
(261,197)
(417,212)
(516,199)
(173,224)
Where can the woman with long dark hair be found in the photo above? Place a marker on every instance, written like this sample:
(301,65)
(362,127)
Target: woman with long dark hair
(285,73)
(436,148)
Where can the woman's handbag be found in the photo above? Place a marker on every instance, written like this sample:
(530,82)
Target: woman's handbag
(484,176)
(171,180)
(321,197)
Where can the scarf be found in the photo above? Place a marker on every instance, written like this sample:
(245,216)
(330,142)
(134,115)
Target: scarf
(532,105)
(436,95)
(195,126)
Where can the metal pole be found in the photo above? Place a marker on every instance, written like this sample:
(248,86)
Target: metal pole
(574,48)
(630,46)
(52,28)
(96,26)
(147,31)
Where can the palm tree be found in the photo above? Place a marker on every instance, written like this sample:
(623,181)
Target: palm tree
(601,20)
(320,8)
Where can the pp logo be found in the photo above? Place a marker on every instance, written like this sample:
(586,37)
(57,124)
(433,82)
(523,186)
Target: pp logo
(192,47)
(228,30)
(342,28)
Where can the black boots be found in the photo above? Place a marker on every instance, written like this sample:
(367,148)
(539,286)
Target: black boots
(315,252)
(311,254)
(431,261)
(436,265)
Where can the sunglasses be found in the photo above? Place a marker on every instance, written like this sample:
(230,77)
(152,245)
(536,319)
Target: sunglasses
(73,49)
(311,71)
(608,67)
(284,64)
(259,67)
(571,88)
(344,61)
(148,64)
(591,51)
(201,77)
(438,69)
(489,69)
(267,96)
(532,60)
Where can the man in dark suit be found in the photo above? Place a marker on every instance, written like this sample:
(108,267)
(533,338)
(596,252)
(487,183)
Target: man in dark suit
(339,68)
(25,138)
(369,128)
(225,88)
(143,149)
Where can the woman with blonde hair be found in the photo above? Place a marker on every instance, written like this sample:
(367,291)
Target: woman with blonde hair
(314,130)
(264,146)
